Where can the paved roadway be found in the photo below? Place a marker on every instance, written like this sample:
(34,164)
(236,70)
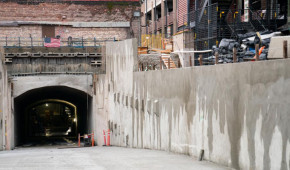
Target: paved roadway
(98,158)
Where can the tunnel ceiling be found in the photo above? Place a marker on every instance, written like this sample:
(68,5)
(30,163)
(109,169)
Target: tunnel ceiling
(53,92)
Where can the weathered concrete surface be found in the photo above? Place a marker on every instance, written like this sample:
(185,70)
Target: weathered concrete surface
(26,83)
(237,113)
(276,47)
(178,43)
(6,105)
(100,158)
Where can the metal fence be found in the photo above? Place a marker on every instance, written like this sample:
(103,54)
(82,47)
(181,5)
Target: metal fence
(202,24)
(39,42)
(240,21)
(152,41)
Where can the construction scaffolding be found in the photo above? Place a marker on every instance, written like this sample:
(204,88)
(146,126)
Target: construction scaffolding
(201,28)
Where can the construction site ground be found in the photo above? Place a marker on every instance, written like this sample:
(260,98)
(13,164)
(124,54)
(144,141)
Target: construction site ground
(98,158)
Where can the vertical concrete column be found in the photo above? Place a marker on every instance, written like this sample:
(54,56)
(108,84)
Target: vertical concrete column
(163,18)
(145,17)
(153,17)
(174,16)
(1,108)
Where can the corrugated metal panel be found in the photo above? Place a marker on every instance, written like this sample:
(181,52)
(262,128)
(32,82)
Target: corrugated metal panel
(182,11)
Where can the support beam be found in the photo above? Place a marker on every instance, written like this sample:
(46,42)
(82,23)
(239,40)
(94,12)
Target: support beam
(216,57)
(200,60)
(153,17)
(234,54)
(202,10)
(174,16)
(163,18)
(257,51)
(285,49)
(146,17)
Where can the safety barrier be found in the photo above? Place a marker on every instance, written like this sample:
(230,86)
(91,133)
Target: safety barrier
(108,140)
(152,41)
(86,137)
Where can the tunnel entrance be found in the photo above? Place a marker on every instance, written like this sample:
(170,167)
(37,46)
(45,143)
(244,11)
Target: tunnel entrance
(51,114)
(51,118)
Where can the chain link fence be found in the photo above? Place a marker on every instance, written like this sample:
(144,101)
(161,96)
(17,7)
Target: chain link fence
(201,31)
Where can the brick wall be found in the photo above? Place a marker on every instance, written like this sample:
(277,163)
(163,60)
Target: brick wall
(65,32)
(99,33)
(21,31)
(73,12)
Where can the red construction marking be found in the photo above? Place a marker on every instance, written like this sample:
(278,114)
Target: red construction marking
(93,140)
(108,144)
(79,140)
(260,52)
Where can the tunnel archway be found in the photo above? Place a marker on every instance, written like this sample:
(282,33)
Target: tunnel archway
(51,113)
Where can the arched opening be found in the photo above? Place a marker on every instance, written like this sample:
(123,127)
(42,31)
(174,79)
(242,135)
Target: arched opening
(51,118)
(49,115)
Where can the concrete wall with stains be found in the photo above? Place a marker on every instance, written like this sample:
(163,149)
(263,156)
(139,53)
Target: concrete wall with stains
(6,116)
(238,113)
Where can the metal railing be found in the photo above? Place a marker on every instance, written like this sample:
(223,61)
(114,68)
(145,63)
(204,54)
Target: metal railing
(244,19)
(152,41)
(39,42)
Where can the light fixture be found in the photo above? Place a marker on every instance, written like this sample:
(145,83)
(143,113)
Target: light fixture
(75,119)
(46,104)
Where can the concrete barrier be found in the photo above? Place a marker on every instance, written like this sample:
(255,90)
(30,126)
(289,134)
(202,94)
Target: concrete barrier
(237,113)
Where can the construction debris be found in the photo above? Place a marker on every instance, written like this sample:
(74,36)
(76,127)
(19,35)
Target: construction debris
(245,47)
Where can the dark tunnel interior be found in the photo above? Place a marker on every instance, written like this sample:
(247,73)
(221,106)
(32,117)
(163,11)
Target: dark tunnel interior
(49,114)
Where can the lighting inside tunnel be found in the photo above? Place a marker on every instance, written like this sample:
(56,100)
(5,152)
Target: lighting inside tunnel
(52,118)
(59,112)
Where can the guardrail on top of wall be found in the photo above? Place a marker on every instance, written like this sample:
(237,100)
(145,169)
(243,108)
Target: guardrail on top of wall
(14,42)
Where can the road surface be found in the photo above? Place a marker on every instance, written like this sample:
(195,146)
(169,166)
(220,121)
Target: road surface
(98,158)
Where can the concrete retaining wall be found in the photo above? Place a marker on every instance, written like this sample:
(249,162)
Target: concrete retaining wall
(6,116)
(237,113)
